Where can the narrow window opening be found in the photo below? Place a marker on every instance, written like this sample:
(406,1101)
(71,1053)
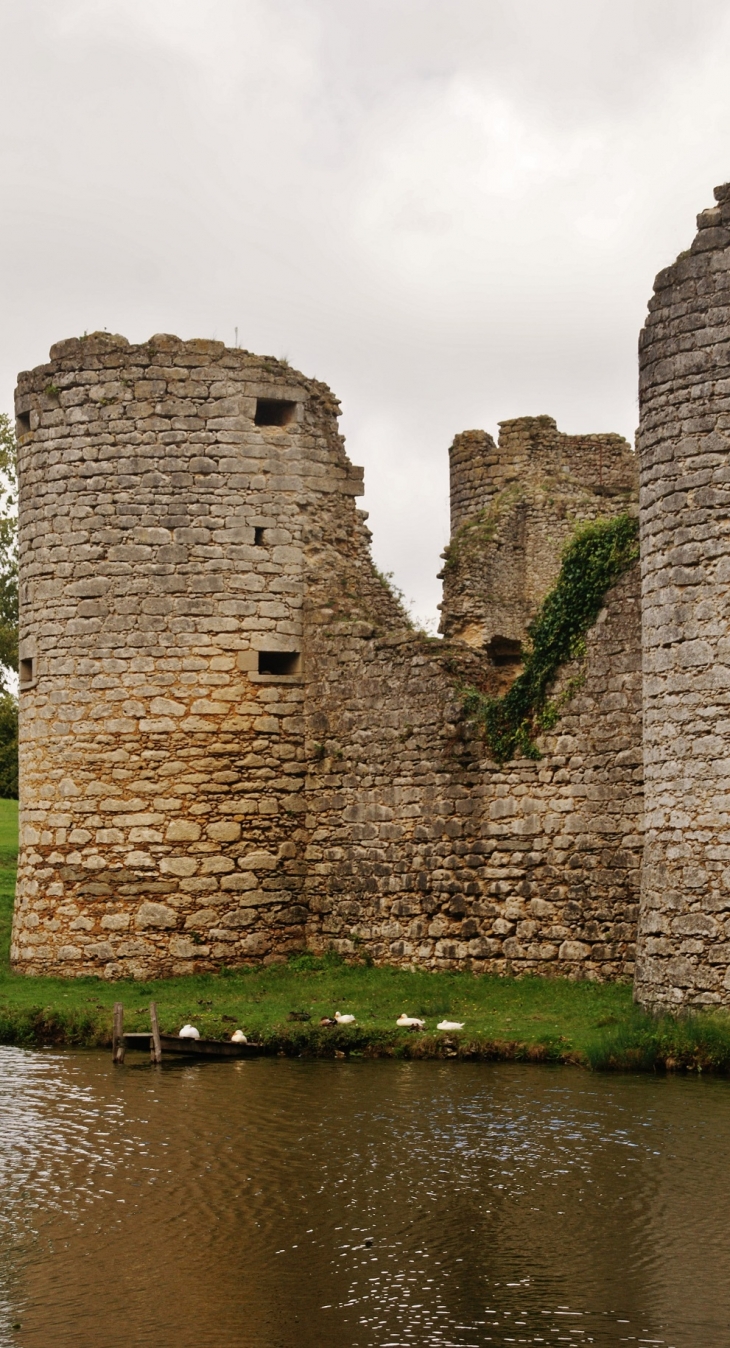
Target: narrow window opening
(273,412)
(504,651)
(22,423)
(258,536)
(26,671)
(279,662)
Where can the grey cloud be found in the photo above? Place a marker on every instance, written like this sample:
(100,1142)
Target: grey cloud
(452,213)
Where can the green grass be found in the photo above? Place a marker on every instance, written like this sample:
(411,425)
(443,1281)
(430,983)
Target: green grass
(527,1019)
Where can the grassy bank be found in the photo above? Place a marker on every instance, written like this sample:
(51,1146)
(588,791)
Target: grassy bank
(528,1019)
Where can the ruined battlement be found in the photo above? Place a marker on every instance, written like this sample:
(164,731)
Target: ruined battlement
(533,448)
(513,507)
(234,745)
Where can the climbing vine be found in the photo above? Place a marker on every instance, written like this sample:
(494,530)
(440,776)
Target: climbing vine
(597,554)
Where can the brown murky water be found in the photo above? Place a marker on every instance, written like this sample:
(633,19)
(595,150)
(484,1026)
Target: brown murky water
(280,1204)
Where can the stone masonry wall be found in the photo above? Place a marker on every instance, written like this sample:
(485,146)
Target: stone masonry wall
(683,954)
(423,851)
(232,742)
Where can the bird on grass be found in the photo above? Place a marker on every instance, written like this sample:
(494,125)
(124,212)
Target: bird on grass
(238,1037)
(189,1032)
(344,1020)
(410,1022)
(450,1025)
(328,1020)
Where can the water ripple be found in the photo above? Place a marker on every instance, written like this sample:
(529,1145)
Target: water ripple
(358,1205)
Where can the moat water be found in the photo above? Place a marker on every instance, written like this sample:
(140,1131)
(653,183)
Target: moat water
(293,1204)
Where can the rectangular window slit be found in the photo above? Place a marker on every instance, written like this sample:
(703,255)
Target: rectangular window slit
(273,412)
(26,671)
(279,662)
(22,423)
(258,536)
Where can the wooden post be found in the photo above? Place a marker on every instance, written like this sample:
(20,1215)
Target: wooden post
(118,1035)
(155,1045)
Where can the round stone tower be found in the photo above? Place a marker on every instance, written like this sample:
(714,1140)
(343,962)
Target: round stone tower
(684,444)
(169,495)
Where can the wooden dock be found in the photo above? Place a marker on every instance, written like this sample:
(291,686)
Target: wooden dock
(193,1048)
(156,1044)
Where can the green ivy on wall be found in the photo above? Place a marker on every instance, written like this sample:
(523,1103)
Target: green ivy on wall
(594,558)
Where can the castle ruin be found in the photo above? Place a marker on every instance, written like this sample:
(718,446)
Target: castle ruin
(235,746)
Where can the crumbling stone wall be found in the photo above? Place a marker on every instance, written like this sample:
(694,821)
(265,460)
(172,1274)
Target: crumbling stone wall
(424,851)
(232,742)
(513,507)
(684,441)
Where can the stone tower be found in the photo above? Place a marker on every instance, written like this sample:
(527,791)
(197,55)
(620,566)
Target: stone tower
(513,507)
(683,955)
(175,499)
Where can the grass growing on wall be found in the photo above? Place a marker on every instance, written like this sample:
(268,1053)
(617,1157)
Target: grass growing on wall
(524,1020)
(594,558)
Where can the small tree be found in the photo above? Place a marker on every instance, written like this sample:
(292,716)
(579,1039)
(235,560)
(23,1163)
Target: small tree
(8,610)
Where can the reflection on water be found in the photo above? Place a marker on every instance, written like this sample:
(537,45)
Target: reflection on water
(279,1204)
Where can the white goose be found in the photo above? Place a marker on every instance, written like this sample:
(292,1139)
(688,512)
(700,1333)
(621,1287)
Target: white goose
(189,1032)
(410,1022)
(238,1037)
(344,1020)
(450,1025)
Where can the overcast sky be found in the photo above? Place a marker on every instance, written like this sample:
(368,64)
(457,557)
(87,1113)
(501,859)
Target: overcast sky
(451,211)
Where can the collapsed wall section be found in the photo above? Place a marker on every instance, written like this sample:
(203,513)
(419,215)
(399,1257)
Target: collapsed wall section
(424,851)
(525,867)
(683,954)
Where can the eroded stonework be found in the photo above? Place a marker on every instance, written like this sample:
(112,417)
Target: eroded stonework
(684,442)
(514,505)
(232,743)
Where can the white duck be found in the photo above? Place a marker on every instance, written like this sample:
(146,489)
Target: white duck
(238,1037)
(450,1025)
(189,1032)
(410,1022)
(344,1020)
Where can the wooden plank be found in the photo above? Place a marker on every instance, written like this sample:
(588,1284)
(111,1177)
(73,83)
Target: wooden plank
(118,1035)
(155,1045)
(208,1048)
